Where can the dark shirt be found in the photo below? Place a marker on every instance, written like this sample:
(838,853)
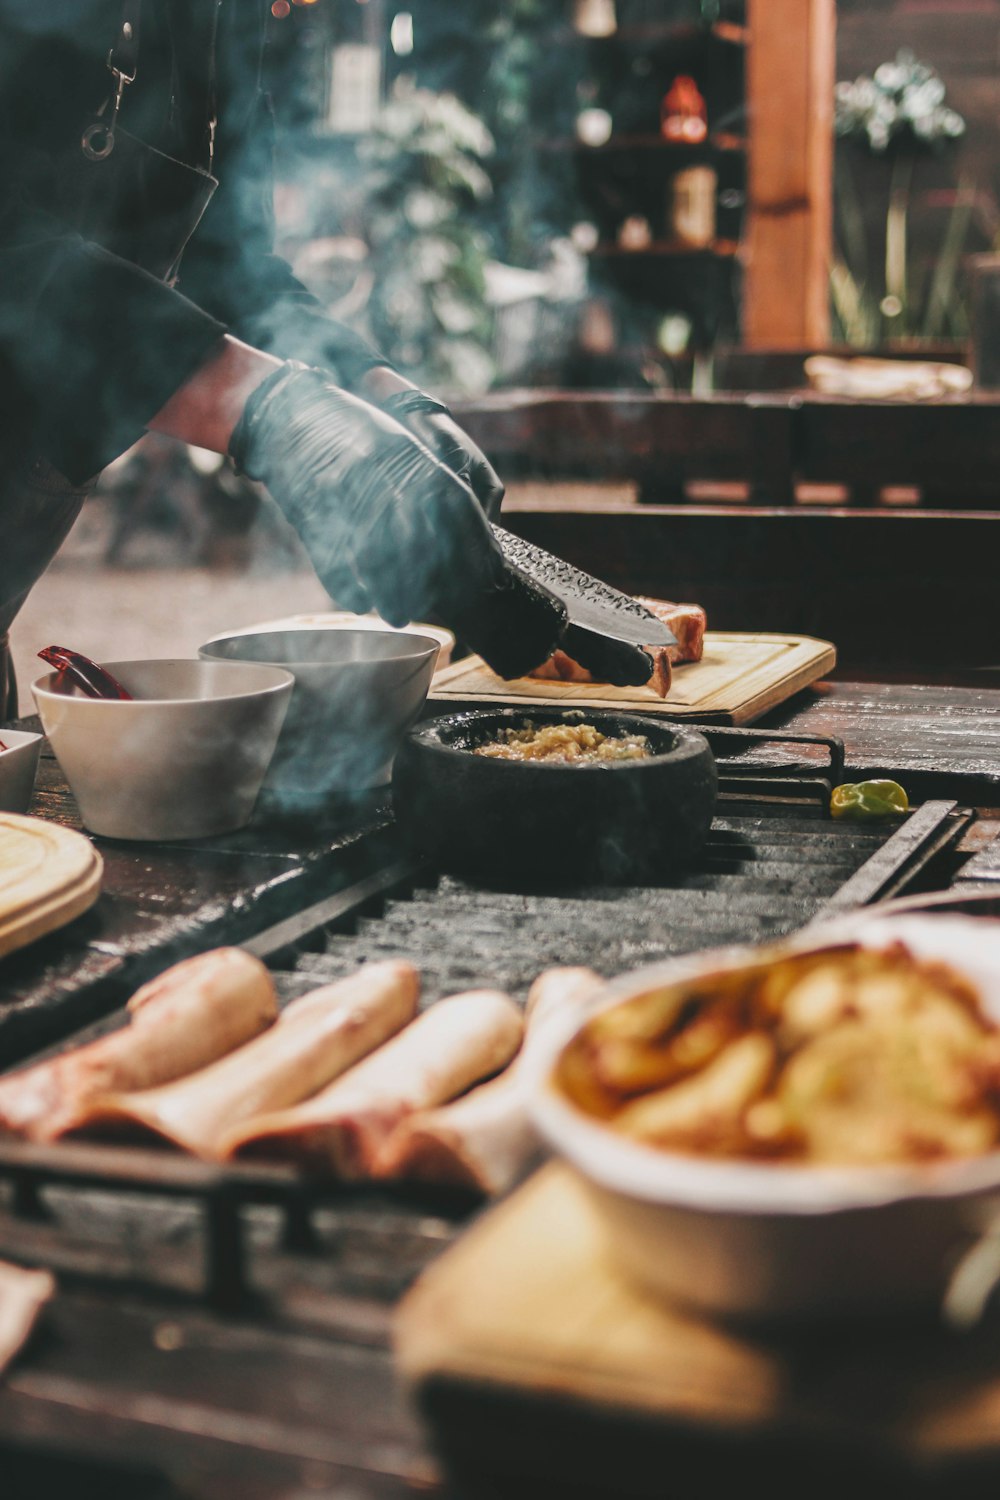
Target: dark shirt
(91,343)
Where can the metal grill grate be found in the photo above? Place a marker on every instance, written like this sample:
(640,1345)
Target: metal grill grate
(769,868)
(764,874)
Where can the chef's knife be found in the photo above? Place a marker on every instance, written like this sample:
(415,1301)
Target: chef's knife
(607,631)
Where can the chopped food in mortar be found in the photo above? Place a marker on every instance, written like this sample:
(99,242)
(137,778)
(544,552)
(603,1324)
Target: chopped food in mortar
(567,743)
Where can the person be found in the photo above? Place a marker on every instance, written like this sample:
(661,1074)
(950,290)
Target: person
(139,290)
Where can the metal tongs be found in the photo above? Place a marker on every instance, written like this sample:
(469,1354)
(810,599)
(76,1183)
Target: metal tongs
(94,680)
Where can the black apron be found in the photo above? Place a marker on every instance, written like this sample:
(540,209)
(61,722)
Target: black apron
(139,204)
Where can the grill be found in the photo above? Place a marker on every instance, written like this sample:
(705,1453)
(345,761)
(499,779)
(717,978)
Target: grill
(206,1314)
(764,874)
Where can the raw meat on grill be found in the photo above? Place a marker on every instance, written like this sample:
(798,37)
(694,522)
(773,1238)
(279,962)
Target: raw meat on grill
(23,1294)
(185,1018)
(451,1046)
(484,1140)
(316,1038)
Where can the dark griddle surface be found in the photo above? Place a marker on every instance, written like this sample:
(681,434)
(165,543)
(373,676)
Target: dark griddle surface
(162,902)
(763,875)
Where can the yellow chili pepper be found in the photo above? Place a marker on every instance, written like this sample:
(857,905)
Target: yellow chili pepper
(865,800)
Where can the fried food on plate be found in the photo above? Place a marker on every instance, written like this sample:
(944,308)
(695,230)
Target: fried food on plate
(846,1055)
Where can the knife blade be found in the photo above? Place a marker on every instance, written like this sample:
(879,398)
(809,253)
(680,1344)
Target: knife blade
(607,632)
(591,604)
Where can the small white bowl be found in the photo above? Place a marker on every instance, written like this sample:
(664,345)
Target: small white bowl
(357,692)
(19,751)
(773,1241)
(185,759)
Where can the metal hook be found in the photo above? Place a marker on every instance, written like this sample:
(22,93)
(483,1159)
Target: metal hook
(98,140)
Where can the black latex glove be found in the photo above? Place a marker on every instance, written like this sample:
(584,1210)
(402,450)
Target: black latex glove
(434,425)
(386,525)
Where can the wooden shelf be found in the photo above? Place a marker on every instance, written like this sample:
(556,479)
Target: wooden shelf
(673,33)
(693,150)
(670,249)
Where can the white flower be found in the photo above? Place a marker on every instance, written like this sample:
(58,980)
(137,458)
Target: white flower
(903,98)
(425,209)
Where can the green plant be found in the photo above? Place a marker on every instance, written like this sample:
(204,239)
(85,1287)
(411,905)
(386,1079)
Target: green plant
(898,115)
(425,186)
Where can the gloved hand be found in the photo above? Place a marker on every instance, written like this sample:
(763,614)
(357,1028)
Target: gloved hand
(386,525)
(432,422)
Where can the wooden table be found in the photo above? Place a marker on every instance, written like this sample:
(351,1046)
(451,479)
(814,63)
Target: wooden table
(948,450)
(897,591)
(904,586)
(120,1387)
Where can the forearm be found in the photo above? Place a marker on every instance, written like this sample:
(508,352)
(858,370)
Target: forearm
(205,409)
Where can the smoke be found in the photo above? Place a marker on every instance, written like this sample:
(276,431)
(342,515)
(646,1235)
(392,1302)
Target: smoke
(406,230)
(356,694)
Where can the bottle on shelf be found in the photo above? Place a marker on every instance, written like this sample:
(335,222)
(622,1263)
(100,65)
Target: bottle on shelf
(595,17)
(692,207)
(683,114)
(635,233)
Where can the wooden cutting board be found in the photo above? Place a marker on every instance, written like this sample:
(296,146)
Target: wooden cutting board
(48,876)
(526,1350)
(739,678)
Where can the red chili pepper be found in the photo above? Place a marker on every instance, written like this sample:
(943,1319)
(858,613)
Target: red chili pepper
(95,681)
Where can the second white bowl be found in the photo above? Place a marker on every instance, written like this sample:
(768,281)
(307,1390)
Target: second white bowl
(19,750)
(357,692)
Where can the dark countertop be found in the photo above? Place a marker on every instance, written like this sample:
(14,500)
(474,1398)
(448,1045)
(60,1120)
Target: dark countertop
(939,741)
(163,902)
(322,1383)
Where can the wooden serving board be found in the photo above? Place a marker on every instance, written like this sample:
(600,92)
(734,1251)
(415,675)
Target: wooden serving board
(739,678)
(526,1350)
(48,876)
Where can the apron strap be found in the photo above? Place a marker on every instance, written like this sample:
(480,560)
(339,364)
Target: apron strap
(123,59)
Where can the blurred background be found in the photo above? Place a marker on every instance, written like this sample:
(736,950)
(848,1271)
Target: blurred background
(583,195)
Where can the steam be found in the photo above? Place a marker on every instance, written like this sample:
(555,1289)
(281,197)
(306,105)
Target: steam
(356,694)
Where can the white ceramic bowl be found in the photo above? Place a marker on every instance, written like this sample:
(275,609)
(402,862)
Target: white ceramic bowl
(343,619)
(19,751)
(356,694)
(185,759)
(771,1241)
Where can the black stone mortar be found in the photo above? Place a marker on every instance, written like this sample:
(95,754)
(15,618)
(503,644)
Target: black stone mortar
(529,823)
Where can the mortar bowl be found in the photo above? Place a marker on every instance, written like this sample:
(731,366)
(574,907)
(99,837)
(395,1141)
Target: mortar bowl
(539,821)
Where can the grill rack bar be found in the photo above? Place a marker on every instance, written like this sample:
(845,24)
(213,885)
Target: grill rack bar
(223,1191)
(736,739)
(930,830)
